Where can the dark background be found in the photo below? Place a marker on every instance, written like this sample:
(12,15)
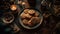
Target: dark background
(50,24)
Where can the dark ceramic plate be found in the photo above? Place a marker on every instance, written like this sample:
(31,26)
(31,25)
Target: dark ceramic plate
(10,17)
(27,27)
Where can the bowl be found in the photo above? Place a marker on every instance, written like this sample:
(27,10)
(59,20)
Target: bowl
(7,18)
(27,27)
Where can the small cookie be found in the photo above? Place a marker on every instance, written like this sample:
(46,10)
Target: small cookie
(25,21)
(31,11)
(22,15)
(28,16)
(33,21)
(26,11)
(36,14)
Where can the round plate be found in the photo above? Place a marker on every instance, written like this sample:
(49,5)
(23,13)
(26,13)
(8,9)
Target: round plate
(27,27)
(7,22)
